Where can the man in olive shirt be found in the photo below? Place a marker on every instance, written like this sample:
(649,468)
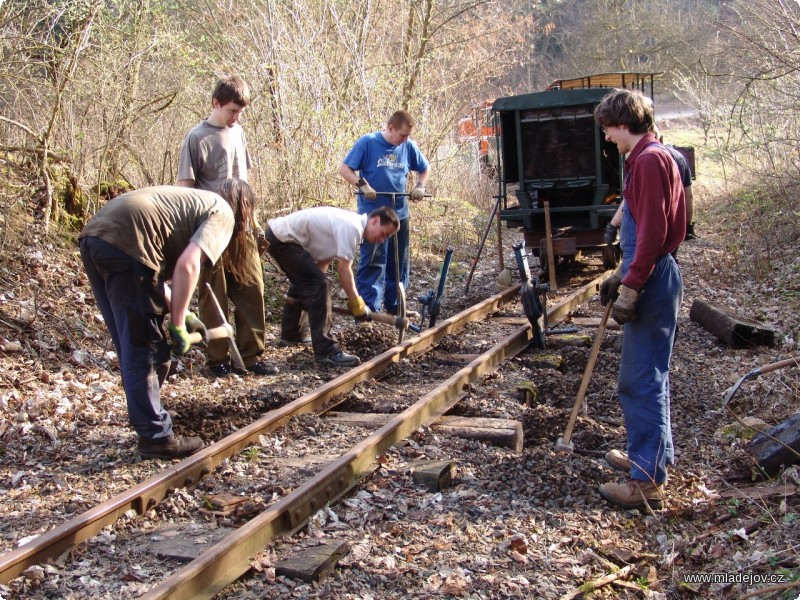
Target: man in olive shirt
(135,244)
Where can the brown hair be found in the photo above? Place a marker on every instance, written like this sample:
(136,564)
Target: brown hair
(387,215)
(242,200)
(400,118)
(626,107)
(231,89)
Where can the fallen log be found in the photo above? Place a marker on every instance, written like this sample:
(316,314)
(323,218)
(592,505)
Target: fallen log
(730,329)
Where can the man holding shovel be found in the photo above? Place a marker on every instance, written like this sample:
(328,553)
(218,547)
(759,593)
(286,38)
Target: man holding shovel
(646,293)
(303,244)
(130,248)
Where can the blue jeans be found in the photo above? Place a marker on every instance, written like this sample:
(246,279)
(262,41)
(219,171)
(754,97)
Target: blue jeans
(376,278)
(130,297)
(644,368)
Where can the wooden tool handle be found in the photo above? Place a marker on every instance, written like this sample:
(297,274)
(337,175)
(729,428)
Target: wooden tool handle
(587,374)
(222,332)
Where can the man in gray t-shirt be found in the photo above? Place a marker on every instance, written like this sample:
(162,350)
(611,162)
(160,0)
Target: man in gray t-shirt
(215,151)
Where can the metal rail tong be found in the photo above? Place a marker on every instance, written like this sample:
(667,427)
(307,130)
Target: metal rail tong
(432,301)
(534,298)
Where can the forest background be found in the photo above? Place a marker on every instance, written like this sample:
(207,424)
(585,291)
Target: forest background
(98,94)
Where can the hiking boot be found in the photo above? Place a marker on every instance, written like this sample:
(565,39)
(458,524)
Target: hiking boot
(263,369)
(339,359)
(286,343)
(221,370)
(174,446)
(618,460)
(690,233)
(634,493)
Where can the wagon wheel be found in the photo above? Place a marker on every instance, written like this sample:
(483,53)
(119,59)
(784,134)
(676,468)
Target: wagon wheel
(609,257)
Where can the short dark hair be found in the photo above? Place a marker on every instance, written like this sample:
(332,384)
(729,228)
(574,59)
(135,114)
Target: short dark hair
(231,88)
(626,107)
(400,118)
(387,215)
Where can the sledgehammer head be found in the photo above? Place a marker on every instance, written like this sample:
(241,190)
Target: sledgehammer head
(567,448)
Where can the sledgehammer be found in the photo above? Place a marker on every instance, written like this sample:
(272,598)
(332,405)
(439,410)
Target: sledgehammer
(564,444)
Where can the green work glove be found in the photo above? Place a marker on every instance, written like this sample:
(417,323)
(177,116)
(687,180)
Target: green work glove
(195,325)
(609,289)
(180,339)
(366,189)
(624,309)
(418,193)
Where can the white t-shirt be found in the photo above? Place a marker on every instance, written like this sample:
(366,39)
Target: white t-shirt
(325,232)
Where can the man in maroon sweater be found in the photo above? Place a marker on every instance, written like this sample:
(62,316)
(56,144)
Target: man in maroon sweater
(646,292)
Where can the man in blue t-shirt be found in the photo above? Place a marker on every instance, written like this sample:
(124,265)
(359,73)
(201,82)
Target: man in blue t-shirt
(383,160)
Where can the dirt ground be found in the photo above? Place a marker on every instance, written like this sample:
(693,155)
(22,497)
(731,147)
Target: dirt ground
(515,525)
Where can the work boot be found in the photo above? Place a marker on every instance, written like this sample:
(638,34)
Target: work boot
(634,493)
(618,460)
(221,370)
(174,446)
(262,368)
(690,233)
(339,359)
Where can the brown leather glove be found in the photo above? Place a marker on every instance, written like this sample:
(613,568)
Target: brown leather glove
(624,309)
(261,243)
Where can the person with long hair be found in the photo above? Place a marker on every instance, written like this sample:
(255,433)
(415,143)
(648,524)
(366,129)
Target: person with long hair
(130,249)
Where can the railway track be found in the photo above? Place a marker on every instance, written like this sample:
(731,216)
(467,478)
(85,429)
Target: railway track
(229,558)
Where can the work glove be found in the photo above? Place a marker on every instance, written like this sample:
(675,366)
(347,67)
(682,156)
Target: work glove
(609,289)
(195,325)
(418,193)
(366,189)
(180,339)
(610,236)
(261,243)
(624,309)
(358,309)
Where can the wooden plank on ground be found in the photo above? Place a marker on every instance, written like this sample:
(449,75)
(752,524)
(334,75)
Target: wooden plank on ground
(309,564)
(436,475)
(593,322)
(505,433)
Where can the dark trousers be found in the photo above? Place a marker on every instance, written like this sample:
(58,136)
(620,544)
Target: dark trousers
(130,298)
(310,287)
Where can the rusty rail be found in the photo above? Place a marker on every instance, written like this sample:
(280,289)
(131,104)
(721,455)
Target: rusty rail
(147,494)
(230,558)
